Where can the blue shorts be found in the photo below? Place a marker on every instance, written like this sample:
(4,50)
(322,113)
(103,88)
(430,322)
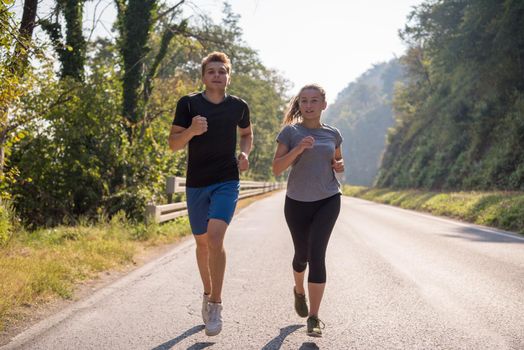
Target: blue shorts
(217,201)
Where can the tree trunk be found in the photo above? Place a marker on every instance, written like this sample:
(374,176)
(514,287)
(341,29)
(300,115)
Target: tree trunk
(26,32)
(28,18)
(73,60)
(17,67)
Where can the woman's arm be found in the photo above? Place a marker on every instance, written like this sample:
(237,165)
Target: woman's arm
(338,163)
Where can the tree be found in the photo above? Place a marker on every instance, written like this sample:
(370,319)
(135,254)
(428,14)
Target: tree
(15,50)
(72,51)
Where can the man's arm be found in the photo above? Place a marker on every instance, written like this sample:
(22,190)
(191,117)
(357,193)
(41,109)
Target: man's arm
(246,142)
(180,136)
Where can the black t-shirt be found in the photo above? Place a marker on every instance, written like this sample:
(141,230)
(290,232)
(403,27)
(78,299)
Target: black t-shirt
(211,156)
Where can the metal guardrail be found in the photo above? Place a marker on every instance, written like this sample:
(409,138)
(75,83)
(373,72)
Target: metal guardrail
(165,212)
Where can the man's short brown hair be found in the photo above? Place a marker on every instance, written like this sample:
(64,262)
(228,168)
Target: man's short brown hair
(216,56)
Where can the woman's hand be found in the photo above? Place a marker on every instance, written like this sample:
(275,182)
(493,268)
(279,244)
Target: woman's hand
(337,165)
(306,143)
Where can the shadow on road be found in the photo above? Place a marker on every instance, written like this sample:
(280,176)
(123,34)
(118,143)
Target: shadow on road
(308,346)
(479,235)
(276,342)
(169,344)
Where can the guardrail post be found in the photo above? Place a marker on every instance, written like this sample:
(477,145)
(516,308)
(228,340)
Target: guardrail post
(170,188)
(179,188)
(152,213)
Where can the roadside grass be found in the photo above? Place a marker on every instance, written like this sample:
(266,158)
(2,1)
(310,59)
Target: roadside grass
(42,265)
(38,266)
(504,210)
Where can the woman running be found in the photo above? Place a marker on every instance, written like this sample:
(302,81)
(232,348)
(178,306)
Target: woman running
(312,150)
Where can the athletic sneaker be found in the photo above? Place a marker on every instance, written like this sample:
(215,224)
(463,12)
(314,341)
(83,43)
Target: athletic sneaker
(214,322)
(205,312)
(300,304)
(314,326)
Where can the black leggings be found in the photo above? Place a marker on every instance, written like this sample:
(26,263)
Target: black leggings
(311,224)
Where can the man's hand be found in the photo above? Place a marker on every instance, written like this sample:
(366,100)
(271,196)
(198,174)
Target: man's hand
(198,125)
(242,161)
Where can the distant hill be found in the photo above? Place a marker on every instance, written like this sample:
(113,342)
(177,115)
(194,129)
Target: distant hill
(363,113)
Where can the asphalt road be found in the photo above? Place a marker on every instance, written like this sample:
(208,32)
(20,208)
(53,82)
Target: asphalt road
(396,280)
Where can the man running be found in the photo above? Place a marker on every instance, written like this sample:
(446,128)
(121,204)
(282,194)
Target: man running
(208,122)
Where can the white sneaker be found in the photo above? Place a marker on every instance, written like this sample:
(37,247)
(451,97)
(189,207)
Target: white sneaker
(214,322)
(205,312)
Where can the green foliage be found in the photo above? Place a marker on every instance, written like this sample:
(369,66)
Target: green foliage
(79,158)
(362,112)
(72,51)
(16,80)
(460,117)
(74,55)
(71,156)
(136,20)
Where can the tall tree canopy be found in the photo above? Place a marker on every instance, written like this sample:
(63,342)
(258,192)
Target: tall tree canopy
(460,117)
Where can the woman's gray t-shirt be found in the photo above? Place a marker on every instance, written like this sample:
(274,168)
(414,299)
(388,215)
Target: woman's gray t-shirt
(312,177)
